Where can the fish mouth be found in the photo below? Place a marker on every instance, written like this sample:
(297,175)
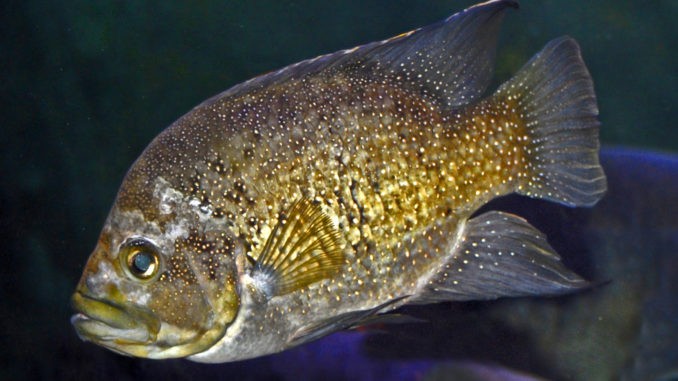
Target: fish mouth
(121,328)
(131,330)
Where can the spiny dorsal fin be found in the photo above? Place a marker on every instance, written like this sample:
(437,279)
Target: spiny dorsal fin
(452,59)
(303,248)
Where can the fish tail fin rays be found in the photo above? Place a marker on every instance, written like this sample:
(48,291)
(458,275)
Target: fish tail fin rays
(499,255)
(554,93)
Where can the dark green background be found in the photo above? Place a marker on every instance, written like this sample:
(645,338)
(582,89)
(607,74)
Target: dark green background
(87,84)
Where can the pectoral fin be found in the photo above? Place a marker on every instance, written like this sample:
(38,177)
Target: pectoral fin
(500,254)
(303,248)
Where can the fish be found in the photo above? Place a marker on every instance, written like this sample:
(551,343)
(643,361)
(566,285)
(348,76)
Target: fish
(633,310)
(325,195)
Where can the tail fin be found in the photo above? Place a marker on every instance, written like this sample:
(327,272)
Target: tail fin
(555,96)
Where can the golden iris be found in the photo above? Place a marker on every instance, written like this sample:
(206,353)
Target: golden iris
(140,258)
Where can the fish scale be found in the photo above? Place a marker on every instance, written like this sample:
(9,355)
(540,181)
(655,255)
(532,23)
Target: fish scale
(316,197)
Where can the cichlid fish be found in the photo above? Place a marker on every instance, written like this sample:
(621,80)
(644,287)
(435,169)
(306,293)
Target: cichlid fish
(311,199)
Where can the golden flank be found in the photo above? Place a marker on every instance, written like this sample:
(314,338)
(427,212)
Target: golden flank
(313,198)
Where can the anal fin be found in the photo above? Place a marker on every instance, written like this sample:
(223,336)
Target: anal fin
(500,254)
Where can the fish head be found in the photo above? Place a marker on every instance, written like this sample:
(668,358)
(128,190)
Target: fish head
(161,282)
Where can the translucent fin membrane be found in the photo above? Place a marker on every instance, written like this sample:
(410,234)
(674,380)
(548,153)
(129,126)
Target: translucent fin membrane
(451,60)
(500,254)
(555,98)
(304,247)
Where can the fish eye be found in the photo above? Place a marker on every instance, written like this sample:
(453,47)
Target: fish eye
(140,259)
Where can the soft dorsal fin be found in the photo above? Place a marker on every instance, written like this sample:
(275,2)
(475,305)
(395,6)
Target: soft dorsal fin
(303,248)
(451,60)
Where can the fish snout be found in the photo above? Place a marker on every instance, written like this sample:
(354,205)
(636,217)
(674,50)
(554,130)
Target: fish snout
(111,319)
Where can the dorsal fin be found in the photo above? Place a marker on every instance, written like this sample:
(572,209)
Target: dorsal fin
(452,59)
(303,248)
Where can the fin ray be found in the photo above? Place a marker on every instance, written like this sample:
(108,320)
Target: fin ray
(499,255)
(460,78)
(555,94)
(303,248)
(457,79)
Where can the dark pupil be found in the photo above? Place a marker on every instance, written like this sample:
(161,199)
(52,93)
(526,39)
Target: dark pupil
(141,262)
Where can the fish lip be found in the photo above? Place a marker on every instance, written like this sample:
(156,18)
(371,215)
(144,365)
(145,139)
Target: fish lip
(132,330)
(104,321)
